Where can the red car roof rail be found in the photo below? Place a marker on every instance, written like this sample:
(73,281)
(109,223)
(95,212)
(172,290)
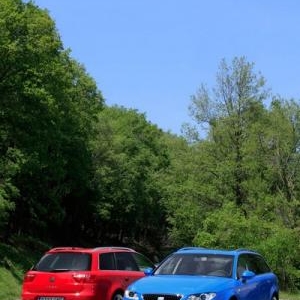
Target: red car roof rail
(66,248)
(115,248)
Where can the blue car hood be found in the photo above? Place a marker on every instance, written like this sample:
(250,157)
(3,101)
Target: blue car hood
(181,284)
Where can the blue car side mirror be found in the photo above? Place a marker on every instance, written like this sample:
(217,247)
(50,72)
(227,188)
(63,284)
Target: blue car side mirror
(148,271)
(247,275)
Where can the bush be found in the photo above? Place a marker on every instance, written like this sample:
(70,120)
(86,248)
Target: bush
(229,228)
(283,253)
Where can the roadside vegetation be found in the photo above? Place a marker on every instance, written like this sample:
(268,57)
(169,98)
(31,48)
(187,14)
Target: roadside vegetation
(289,296)
(76,172)
(15,261)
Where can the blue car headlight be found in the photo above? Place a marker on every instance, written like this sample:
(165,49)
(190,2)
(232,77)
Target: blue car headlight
(131,295)
(202,296)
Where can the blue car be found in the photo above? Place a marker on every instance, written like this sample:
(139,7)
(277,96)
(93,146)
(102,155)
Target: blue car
(204,274)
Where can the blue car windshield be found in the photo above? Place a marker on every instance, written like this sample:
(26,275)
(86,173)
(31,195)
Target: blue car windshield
(197,264)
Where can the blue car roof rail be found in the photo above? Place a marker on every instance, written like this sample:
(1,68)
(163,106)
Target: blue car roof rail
(190,248)
(245,249)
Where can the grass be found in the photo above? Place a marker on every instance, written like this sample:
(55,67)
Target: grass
(289,296)
(9,285)
(15,261)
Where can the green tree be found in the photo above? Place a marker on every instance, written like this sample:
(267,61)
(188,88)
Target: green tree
(188,194)
(48,107)
(221,167)
(236,102)
(229,228)
(130,157)
(10,164)
(252,155)
(283,141)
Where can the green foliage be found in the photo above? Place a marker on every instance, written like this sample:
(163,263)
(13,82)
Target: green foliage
(229,228)
(15,261)
(247,186)
(129,157)
(49,106)
(282,249)
(10,164)
(185,190)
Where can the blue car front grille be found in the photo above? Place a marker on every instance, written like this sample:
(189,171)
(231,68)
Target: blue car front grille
(161,297)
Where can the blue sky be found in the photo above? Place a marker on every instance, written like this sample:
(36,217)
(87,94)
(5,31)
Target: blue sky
(152,55)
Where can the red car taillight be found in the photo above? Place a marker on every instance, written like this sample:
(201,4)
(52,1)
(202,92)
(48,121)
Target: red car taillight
(29,277)
(84,278)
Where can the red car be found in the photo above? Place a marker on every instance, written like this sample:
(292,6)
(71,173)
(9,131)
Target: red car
(70,273)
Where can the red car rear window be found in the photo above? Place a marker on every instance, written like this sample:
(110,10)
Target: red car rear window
(64,261)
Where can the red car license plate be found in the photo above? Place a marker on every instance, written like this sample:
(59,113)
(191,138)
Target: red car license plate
(51,298)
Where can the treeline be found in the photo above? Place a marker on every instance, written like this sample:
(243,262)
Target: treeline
(74,171)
